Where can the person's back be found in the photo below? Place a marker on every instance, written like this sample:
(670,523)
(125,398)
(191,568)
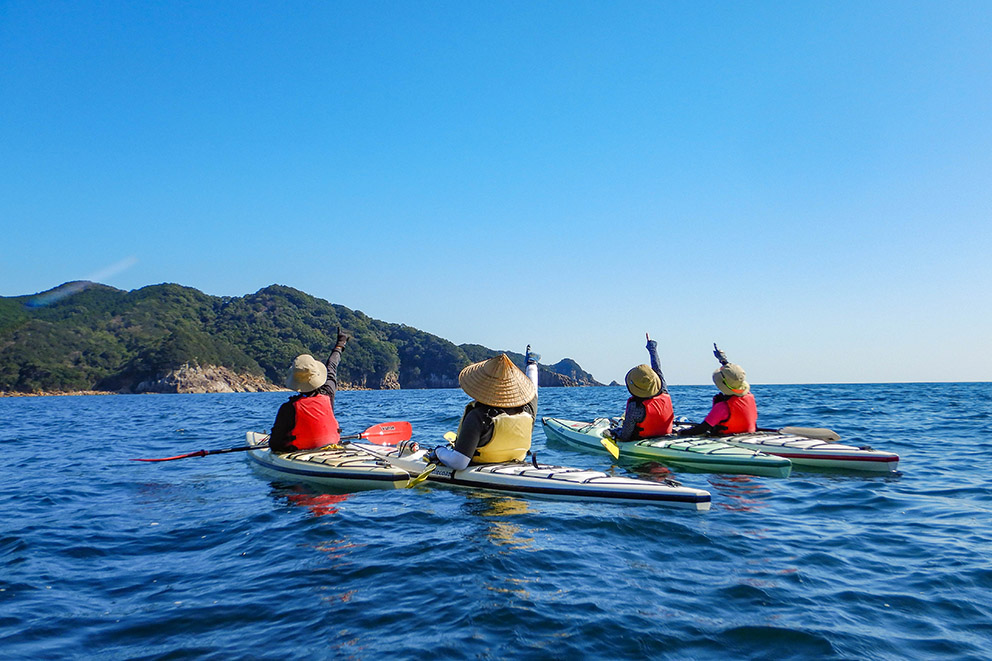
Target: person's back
(734,410)
(648,412)
(498,424)
(307,420)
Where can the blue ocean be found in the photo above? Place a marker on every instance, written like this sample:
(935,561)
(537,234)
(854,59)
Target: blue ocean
(206,558)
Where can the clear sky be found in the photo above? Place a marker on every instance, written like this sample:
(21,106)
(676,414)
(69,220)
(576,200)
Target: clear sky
(808,184)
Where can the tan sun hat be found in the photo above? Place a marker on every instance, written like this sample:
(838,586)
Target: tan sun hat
(730,380)
(643,382)
(306,373)
(497,382)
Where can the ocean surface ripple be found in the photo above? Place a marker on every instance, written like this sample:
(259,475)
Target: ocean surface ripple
(206,558)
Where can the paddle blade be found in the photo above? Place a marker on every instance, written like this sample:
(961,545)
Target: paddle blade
(423,476)
(611,447)
(818,433)
(388,433)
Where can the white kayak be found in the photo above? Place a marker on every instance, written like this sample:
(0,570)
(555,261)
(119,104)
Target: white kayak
(357,466)
(814,452)
(340,467)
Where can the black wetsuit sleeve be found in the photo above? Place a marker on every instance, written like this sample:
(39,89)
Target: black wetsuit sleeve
(474,426)
(701,429)
(330,387)
(280,439)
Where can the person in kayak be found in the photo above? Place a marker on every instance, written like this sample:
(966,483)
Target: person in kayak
(649,408)
(307,420)
(498,423)
(734,410)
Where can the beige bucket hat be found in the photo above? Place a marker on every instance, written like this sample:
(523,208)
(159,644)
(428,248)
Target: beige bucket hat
(497,382)
(643,382)
(730,380)
(306,373)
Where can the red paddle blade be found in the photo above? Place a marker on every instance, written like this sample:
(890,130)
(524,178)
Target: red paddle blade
(388,433)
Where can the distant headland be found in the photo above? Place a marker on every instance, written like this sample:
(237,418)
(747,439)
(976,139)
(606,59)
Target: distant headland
(88,337)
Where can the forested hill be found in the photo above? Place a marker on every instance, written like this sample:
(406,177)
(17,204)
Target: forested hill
(170,338)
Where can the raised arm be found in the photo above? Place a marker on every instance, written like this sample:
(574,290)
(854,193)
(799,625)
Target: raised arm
(330,386)
(656,362)
(722,357)
(530,367)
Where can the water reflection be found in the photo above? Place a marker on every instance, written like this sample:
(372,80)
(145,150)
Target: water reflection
(741,493)
(652,470)
(318,504)
(502,532)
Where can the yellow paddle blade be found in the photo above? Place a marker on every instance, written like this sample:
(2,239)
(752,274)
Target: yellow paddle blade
(450,436)
(423,476)
(611,447)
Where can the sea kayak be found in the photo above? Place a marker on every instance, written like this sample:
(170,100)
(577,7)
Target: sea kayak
(698,453)
(816,453)
(342,467)
(356,466)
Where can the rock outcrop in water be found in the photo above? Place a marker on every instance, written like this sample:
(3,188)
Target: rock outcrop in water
(195,379)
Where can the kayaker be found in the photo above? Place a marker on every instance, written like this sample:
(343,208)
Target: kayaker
(530,365)
(498,423)
(307,420)
(734,410)
(649,408)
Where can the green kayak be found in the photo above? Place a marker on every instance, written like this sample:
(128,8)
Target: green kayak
(697,453)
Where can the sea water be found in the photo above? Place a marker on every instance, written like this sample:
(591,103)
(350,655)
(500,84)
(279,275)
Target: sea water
(107,558)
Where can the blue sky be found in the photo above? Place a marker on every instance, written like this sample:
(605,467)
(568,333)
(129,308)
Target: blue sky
(807,184)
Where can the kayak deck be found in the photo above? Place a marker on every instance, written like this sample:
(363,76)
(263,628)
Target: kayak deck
(556,482)
(337,467)
(816,453)
(698,453)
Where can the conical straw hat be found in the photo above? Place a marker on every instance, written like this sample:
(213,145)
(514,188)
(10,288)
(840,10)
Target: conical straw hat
(497,382)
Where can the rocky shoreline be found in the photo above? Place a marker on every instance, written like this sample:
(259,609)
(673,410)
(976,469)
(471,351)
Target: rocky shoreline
(193,379)
(46,393)
(185,380)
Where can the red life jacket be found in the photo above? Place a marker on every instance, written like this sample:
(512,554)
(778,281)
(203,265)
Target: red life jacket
(315,423)
(743,415)
(658,417)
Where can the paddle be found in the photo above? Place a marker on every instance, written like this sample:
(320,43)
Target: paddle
(611,447)
(449,436)
(405,464)
(410,466)
(383,433)
(818,433)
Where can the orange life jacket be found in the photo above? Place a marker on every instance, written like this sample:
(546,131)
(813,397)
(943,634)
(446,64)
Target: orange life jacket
(658,417)
(743,415)
(315,423)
